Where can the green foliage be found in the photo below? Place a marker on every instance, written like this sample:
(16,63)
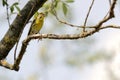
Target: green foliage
(69,1)
(14,6)
(58,5)
(18,9)
(4,3)
(56,2)
(65,9)
(64,5)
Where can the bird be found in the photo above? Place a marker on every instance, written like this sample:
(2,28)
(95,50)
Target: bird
(37,24)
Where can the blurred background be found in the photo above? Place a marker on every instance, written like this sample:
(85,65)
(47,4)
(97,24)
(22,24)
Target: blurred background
(92,58)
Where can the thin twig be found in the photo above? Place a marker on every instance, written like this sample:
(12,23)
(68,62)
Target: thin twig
(110,15)
(15,51)
(110,26)
(88,15)
(17,61)
(7,11)
(63,22)
(109,9)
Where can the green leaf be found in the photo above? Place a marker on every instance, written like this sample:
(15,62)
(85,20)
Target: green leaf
(69,1)
(14,4)
(65,9)
(55,3)
(18,9)
(12,9)
(4,3)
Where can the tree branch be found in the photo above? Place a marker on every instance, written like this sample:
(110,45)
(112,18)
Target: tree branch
(88,14)
(110,15)
(16,28)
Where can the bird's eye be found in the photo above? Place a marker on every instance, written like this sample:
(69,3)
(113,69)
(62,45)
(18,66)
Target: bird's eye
(40,17)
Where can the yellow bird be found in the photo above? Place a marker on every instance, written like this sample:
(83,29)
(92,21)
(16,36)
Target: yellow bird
(37,24)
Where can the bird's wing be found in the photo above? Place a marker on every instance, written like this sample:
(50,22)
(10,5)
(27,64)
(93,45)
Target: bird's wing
(31,27)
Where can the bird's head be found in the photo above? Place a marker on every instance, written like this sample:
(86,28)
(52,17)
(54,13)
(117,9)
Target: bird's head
(41,16)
